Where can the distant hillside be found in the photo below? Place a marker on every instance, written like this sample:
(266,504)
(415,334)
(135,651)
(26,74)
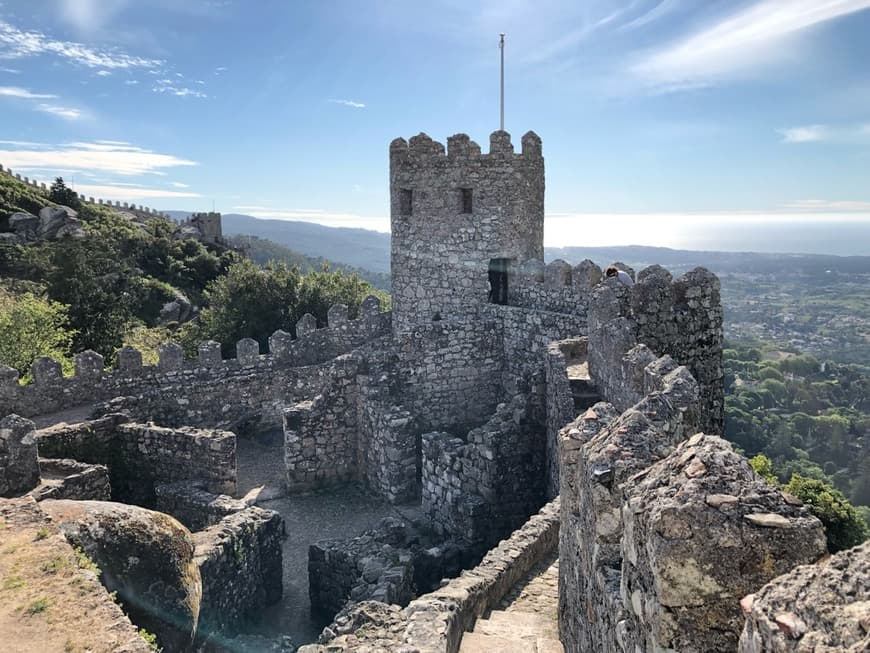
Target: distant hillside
(678,260)
(360,248)
(370,250)
(261,251)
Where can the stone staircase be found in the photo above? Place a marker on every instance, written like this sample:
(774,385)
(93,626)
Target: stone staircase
(512,632)
(526,620)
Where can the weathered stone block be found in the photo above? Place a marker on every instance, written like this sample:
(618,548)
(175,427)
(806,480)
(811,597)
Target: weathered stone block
(88,365)
(370,307)
(129,359)
(280,344)
(19,461)
(46,371)
(684,590)
(247,352)
(171,357)
(306,325)
(209,354)
(821,607)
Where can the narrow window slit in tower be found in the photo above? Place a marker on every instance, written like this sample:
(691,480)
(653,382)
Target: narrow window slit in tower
(498,281)
(406,201)
(466,200)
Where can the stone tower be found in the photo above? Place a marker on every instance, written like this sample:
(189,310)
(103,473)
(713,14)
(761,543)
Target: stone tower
(458,219)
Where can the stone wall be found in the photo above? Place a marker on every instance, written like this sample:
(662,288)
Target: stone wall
(70,479)
(450,372)
(441,245)
(526,336)
(560,408)
(480,489)
(681,318)
(389,440)
(141,456)
(435,622)
(378,565)
(320,435)
(555,287)
(193,505)
(208,391)
(635,495)
(240,561)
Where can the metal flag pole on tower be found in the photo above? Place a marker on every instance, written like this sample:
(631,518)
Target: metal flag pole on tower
(501,47)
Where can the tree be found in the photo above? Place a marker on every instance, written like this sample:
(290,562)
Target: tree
(30,327)
(253,302)
(59,193)
(248,302)
(100,289)
(844,525)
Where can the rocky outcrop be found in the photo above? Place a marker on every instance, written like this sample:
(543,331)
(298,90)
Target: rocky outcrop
(53,223)
(822,608)
(146,557)
(19,463)
(56,222)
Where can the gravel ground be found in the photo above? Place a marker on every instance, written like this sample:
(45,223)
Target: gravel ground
(330,514)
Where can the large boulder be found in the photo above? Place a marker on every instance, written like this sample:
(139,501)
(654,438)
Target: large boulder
(144,556)
(823,607)
(178,310)
(19,462)
(24,225)
(59,222)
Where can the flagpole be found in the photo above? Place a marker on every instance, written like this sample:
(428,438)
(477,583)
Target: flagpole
(501,47)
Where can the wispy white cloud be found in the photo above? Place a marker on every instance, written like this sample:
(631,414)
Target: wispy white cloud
(808,134)
(654,13)
(67,113)
(17,43)
(349,103)
(121,159)
(739,43)
(131,82)
(104,73)
(829,205)
(169,87)
(11,71)
(126,192)
(843,134)
(178,184)
(23,93)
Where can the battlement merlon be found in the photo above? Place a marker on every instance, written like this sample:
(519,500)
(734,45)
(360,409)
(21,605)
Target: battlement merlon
(422,149)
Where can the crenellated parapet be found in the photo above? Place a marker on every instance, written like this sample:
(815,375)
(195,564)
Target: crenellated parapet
(50,390)
(44,188)
(680,317)
(555,286)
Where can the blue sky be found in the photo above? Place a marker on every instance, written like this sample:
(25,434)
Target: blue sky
(660,111)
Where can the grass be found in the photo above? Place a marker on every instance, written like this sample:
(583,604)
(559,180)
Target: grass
(12,583)
(150,639)
(55,565)
(42,533)
(84,562)
(38,606)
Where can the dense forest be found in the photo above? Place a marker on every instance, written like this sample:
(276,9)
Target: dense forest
(108,287)
(806,424)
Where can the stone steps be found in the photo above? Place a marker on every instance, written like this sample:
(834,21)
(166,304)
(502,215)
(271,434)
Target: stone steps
(512,632)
